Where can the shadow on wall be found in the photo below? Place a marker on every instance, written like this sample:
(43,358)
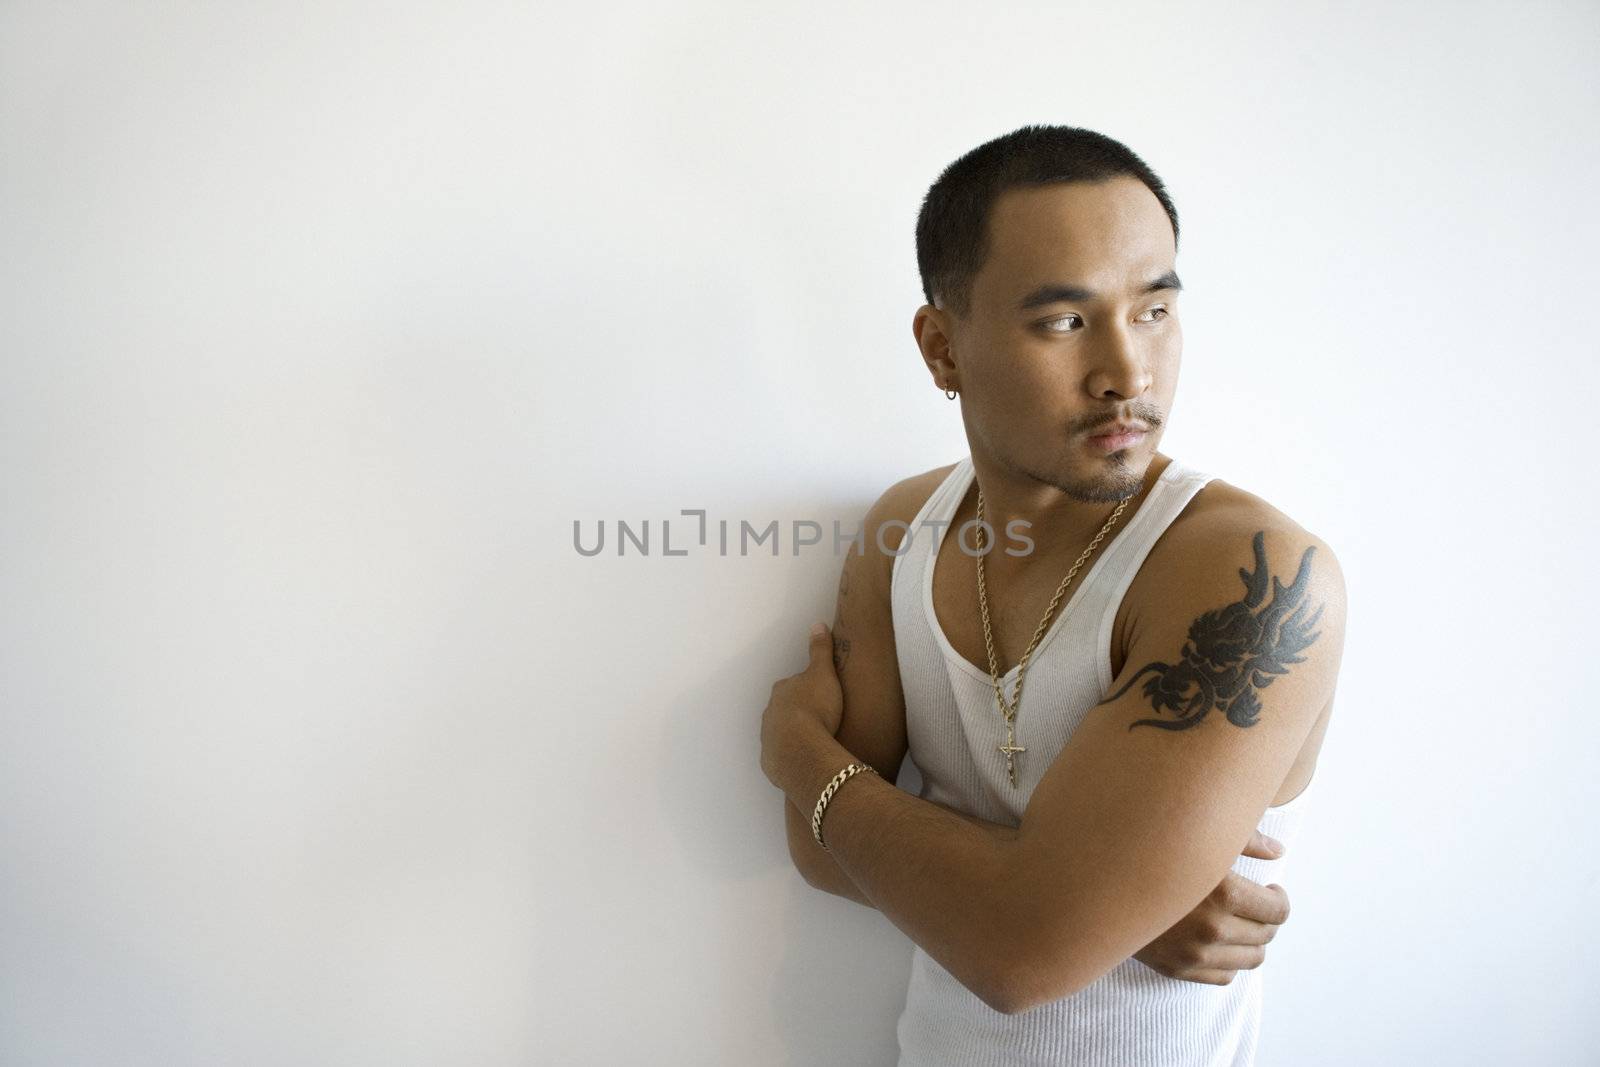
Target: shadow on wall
(841,984)
(839,980)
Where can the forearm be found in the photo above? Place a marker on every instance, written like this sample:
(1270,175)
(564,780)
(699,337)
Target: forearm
(815,863)
(934,873)
(818,867)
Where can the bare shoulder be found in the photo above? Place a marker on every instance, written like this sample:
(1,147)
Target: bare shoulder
(905,498)
(1220,519)
(889,519)
(1232,556)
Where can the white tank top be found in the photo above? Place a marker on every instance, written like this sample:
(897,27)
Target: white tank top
(1132,1015)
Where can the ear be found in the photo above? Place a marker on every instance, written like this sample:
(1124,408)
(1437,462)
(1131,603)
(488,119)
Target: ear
(932,329)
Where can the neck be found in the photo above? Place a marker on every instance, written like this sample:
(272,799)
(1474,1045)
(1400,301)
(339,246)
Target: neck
(1060,518)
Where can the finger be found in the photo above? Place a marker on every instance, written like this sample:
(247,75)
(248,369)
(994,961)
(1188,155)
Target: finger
(1229,958)
(1232,930)
(1261,903)
(1210,976)
(821,648)
(1262,847)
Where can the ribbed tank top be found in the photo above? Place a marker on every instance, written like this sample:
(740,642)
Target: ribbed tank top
(1131,1016)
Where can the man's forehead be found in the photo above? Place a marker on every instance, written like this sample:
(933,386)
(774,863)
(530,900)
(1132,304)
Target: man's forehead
(1101,235)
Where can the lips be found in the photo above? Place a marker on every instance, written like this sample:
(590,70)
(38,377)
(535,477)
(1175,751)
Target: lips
(1119,428)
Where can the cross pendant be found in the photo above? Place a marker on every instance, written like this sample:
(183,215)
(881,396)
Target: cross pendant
(1011,748)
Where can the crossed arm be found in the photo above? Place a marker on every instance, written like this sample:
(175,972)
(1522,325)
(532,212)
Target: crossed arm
(1144,809)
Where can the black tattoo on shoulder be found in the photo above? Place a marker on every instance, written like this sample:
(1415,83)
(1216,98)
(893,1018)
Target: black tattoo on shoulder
(1233,651)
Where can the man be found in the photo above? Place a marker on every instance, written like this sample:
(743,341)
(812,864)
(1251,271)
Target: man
(1082,902)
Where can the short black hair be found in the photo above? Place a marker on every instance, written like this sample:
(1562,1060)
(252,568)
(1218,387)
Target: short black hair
(952,227)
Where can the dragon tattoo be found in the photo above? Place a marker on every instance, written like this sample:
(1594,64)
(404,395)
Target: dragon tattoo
(1233,651)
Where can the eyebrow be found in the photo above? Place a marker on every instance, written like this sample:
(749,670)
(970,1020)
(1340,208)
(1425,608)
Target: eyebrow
(1077,294)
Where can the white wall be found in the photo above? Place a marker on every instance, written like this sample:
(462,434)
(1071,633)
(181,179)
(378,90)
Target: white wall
(322,323)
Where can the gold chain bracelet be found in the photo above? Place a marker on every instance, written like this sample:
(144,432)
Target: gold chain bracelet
(827,795)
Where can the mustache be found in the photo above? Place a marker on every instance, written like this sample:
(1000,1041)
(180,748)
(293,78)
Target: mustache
(1148,416)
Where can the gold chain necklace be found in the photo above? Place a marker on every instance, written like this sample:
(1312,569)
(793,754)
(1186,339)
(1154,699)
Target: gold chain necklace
(1011,748)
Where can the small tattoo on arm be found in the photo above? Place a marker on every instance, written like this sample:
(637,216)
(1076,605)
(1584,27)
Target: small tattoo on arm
(1233,651)
(841,645)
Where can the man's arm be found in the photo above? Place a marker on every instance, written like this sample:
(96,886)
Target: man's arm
(1145,808)
(818,867)
(874,724)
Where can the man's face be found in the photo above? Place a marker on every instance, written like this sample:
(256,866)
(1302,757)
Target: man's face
(1065,334)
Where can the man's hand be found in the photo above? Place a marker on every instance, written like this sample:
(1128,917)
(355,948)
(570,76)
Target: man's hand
(1227,932)
(811,700)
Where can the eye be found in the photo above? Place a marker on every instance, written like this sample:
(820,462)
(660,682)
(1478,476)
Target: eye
(1050,325)
(1163,314)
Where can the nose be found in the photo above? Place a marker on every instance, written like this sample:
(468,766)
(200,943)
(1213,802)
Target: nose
(1119,368)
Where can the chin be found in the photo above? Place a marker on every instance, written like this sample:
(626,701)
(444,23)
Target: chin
(1115,481)
(1115,476)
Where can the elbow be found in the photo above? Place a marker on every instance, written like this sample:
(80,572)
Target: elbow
(1015,996)
(801,847)
(808,872)
(815,879)
(1036,971)
(1006,998)
(1018,1005)
(1018,991)
(815,869)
